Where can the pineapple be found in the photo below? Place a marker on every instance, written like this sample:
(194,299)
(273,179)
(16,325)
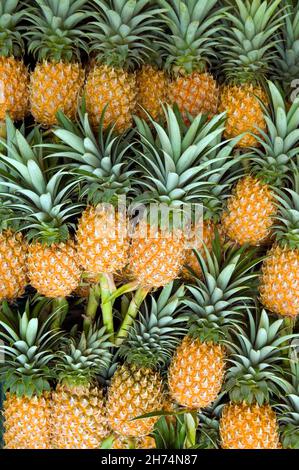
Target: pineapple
(56,39)
(250,210)
(46,206)
(14,81)
(247,52)
(279,281)
(137,386)
(28,345)
(78,418)
(152,85)
(120,35)
(214,307)
(248,421)
(188,50)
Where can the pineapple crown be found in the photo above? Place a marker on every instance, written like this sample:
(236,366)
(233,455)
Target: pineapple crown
(83,356)
(43,200)
(249,39)
(172,434)
(286,226)
(98,160)
(280,145)
(176,162)
(255,374)
(218,301)
(28,351)
(287,63)
(159,329)
(122,30)
(57,32)
(12,12)
(193,33)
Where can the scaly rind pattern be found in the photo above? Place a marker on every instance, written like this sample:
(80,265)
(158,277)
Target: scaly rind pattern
(152,86)
(250,210)
(279,284)
(196,373)
(13,251)
(53,270)
(114,88)
(102,241)
(133,392)
(14,88)
(27,422)
(244,112)
(78,419)
(195,93)
(245,426)
(157,259)
(55,86)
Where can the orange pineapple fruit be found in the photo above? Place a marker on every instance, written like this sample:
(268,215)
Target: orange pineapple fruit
(152,86)
(13,252)
(58,78)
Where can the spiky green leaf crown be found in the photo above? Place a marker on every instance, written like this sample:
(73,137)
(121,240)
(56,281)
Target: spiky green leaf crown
(56,32)
(247,46)
(12,12)
(122,30)
(255,374)
(157,332)
(217,302)
(28,351)
(193,37)
(286,66)
(42,199)
(83,356)
(288,410)
(174,161)
(286,225)
(99,161)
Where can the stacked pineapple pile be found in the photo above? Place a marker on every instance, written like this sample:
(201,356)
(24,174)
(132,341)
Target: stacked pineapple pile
(149,224)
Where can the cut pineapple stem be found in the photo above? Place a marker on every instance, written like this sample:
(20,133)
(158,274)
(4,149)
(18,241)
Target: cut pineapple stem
(2,131)
(92,306)
(106,285)
(129,287)
(131,314)
(60,307)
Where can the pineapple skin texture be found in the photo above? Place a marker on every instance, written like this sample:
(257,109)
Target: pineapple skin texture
(156,257)
(196,373)
(194,93)
(245,426)
(113,87)
(13,270)
(102,241)
(133,392)
(248,217)
(55,86)
(53,270)
(27,422)
(279,283)
(244,112)
(14,88)
(78,419)
(152,86)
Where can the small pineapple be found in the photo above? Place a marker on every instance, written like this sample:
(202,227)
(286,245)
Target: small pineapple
(247,49)
(28,345)
(214,307)
(78,419)
(248,421)
(137,387)
(251,208)
(14,77)
(120,35)
(56,38)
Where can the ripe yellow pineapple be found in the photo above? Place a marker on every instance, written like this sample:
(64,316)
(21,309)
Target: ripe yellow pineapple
(245,64)
(252,207)
(152,86)
(111,82)
(248,421)
(197,369)
(14,77)
(137,386)
(25,373)
(58,78)
(13,252)
(78,418)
